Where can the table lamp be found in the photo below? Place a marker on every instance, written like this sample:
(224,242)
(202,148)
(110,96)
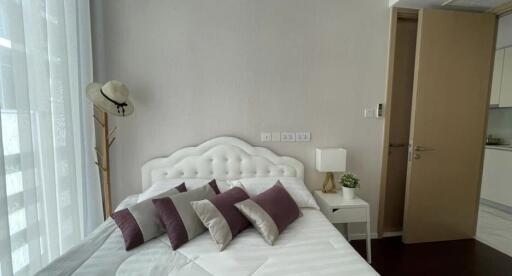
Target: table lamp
(330,160)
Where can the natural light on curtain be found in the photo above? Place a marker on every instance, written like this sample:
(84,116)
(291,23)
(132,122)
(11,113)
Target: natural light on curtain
(48,199)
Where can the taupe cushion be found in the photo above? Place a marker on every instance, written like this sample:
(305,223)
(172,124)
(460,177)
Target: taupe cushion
(180,221)
(270,212)
(221,217)
(141,222)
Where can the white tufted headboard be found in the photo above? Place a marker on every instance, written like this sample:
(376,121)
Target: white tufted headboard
(222,158)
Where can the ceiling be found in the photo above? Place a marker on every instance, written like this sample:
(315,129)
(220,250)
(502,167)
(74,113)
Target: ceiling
(478,5)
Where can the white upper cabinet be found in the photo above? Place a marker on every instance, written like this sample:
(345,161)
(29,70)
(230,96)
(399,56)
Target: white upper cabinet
(501,89)
(506,79)
(496,77)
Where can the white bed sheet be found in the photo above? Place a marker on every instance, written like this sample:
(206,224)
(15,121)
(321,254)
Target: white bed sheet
(309,246)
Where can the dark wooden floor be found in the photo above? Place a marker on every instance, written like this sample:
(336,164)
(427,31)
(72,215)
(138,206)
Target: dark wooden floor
(464,257)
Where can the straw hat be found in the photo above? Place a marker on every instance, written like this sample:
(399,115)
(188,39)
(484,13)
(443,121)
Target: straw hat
(111,97)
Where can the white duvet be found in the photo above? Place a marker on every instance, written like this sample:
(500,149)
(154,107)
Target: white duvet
(309,246)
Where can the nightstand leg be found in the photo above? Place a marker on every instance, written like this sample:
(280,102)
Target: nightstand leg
(368,238)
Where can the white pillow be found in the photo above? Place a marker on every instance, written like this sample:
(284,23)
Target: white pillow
(294,186)
(129,201)
(167,184)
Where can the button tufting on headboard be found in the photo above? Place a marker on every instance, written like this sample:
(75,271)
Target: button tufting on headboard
(223,158)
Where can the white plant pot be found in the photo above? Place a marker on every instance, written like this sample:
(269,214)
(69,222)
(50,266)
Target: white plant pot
(348,193)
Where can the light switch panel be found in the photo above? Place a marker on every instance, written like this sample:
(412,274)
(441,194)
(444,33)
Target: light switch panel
(303,136)
(287,136)
(266,136)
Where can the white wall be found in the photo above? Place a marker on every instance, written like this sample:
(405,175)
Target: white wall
(504,38)
(198,69)
(500,123)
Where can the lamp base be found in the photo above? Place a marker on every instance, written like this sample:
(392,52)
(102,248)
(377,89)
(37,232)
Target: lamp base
(329,186)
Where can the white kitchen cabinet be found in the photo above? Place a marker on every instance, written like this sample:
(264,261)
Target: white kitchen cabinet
(497,176)
(496,77)
(506,80)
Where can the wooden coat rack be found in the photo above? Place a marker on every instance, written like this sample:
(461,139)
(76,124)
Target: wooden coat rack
(103,157)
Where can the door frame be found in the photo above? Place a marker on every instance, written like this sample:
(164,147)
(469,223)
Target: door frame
(396,14)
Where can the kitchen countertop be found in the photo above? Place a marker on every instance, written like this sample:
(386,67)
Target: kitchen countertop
(499,147)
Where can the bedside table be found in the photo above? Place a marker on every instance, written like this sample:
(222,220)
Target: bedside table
(340,210)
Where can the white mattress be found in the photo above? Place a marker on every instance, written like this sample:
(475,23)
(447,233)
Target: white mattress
(309,246)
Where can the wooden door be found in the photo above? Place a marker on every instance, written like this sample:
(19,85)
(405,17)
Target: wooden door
(452,81)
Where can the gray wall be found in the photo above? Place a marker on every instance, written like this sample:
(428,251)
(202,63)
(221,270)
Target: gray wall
(504,38)
(198,69)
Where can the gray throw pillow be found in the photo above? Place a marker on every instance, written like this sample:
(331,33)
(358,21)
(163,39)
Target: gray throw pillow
(270,212)
(141,222)
(180,221)
(221,217)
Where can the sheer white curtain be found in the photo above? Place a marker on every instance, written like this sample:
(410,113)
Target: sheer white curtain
(49,191)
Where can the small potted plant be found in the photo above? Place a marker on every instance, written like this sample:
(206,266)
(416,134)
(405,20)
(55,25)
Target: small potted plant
(349,183)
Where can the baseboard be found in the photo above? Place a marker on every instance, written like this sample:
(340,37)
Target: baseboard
(362,236)
(392,234)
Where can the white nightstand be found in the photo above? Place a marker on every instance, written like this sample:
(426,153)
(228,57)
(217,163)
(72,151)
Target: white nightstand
(340,210)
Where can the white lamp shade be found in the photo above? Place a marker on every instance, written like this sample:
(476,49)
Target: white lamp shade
(331,160)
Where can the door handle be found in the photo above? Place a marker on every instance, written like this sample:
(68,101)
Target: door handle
(421,148)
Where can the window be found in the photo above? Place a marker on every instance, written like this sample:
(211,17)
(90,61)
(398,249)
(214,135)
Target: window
(41,180)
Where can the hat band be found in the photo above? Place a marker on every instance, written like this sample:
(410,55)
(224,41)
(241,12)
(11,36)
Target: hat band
(119,106)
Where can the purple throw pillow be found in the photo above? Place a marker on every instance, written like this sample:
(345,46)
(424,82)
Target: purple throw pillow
(270,212)
(141,222)
(180,221)
(221,217)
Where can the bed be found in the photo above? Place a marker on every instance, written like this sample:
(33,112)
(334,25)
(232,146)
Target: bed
(309,246)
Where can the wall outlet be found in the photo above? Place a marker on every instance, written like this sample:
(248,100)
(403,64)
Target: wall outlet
(276,136)
(303,136)
(266,136)
(287,136)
